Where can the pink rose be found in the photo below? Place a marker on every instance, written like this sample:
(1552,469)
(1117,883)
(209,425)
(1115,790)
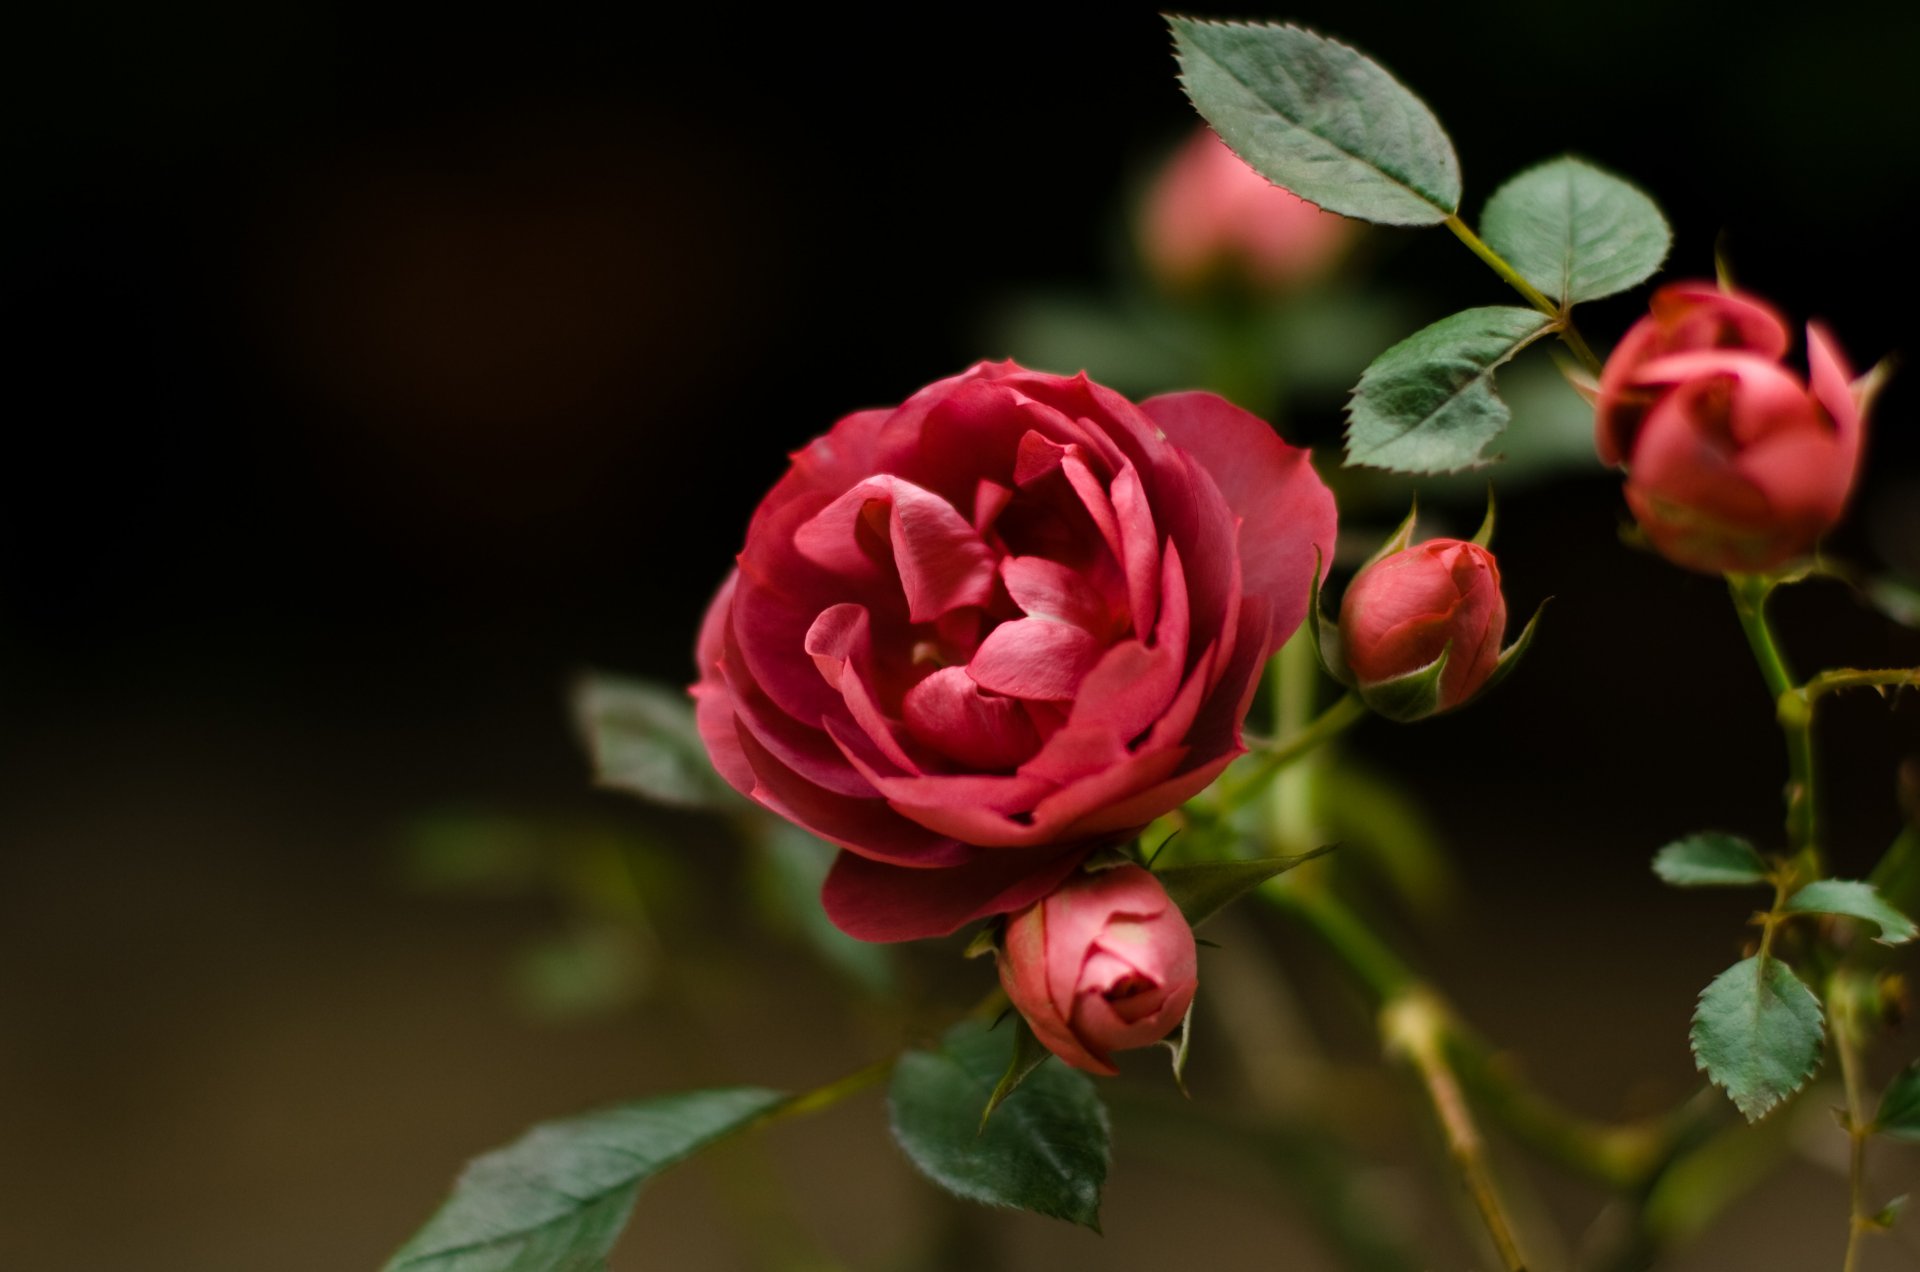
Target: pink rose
(1209,214)
(1404,610)
(974,636)
(1733,462)
(1104,963)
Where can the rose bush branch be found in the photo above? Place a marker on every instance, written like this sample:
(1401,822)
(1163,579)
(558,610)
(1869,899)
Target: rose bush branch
(1561,313)
(1623,1157)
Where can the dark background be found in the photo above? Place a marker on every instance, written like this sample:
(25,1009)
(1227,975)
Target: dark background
(372,373)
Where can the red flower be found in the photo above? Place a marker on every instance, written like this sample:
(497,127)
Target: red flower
(1104,963)
(1403,611)
(1209,214)
(974,636)
(1733,462)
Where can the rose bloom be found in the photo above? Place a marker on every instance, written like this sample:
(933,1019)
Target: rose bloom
(1734,463)
(1208,214)
(1403,611)
(974,636)
(1104,963)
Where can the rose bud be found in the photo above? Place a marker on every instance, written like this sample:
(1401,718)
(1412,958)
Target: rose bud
(1103,963)
(1734,463)
(1209,215)
(1420,627)
(974,637)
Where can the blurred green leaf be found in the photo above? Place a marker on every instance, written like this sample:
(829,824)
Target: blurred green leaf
(594,970)
(556,1199)
(1428,405)
(1379,823)
(1899,1115)
(1576,232)
(1201,891)
(1854,900)
(472,851)
(1757,1033)
(1320,119)
(1897,598)
(642,739)
(1138,353)
(791,866)
(1045,1149)
(1710,859)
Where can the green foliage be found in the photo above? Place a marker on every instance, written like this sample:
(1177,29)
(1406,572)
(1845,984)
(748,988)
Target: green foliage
(1029,1053)
(1710,859)
(1576,232)
(1854,900)
(1899,1115)
(643,741)
(592,970)
(556,1199)
(1414,696)
(1045,1149)
(1201,891)
(1757,1033)
(1427,405)
(790,866)
(1321,120)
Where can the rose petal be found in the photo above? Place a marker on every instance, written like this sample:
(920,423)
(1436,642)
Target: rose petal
(874,901)
(1034,658)
(950,713)
(1285,510)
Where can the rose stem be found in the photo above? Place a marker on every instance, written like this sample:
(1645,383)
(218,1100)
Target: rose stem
(1563,320)
(1794,710)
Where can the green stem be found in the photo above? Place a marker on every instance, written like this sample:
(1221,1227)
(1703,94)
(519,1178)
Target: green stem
(1326,726)
(1794,710)
(1843,1000)
(1855,678)
(1569,334)
(1625,1157)
(825,1097)
(1414,1024)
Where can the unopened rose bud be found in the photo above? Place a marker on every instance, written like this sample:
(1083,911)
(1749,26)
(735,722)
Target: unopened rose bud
(1406,611)
(1209,215)
(1734,462)
(1104,963)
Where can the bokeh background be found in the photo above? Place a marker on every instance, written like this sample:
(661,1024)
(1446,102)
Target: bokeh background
(374,372)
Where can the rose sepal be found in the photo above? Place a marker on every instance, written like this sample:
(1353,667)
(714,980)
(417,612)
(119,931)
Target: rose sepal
(1323,633)
(1029,1053)
(1510,656)
(1414,696)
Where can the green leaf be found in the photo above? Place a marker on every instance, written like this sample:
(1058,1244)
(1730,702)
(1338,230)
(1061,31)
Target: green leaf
(1710,859)
(1204,890)
(556,1199)
(1899,1115)
(643,741)
(1045,1149)
(1890,1213)
(1320,119)
(1576,232)
(1029,1053)
(1757,1032)
(1854,900)
(1427,405)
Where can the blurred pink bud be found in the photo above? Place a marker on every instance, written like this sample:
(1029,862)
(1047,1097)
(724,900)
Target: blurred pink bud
(1209,214)
(1403,611)
(1734,463)
(1104,963)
